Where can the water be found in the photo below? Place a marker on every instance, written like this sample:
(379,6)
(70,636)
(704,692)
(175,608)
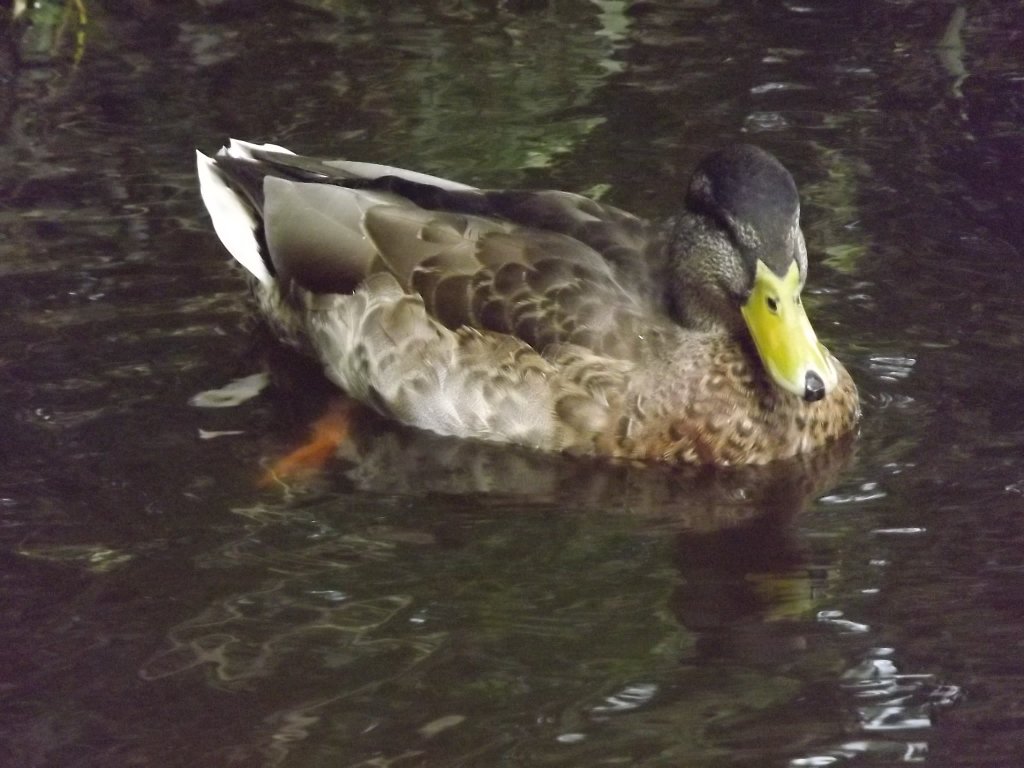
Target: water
(429,603)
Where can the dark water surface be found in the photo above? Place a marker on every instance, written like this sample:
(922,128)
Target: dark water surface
(426,603)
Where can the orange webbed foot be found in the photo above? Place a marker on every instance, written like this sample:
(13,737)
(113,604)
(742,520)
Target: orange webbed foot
(328,432)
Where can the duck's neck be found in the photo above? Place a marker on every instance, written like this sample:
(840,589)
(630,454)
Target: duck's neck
(693,294)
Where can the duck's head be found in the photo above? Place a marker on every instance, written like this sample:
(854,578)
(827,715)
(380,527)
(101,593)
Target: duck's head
(740,262)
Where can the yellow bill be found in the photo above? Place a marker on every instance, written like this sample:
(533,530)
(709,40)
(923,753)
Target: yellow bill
(790,351)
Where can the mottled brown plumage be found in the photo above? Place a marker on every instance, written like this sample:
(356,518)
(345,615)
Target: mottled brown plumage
(539,318)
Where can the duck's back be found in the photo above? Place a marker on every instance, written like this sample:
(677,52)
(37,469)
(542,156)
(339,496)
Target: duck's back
(546,267)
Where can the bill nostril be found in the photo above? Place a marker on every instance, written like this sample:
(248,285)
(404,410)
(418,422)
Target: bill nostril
(814,387)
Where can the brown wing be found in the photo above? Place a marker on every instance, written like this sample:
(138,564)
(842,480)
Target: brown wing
(547,267)
(629,245)
(543,287)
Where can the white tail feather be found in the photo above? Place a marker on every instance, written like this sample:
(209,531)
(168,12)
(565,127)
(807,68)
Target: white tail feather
(242,150)
(233,219)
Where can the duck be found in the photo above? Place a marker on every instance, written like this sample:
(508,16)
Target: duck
(543,318)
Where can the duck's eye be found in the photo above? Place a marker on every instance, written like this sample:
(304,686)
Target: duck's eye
(773,305)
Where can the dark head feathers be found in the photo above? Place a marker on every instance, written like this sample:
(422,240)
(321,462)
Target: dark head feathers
(752,196)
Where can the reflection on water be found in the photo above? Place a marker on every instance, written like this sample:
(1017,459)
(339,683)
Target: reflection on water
(428,602)
(414,594)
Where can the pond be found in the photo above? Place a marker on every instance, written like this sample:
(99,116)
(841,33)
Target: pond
(426,602)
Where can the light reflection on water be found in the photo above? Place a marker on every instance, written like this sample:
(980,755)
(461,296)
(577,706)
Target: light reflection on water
(426,602)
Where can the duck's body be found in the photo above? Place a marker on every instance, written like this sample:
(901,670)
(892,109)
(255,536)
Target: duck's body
(537,318)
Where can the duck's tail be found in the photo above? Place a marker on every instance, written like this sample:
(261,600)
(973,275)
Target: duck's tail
(235,219)
(236,188)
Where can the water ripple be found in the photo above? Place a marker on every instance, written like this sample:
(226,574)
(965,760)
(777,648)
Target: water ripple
(891,367)
(835,619)
(629,698)
(775,86)
(867,491)
(883,700)
(763,122)
(907,531)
